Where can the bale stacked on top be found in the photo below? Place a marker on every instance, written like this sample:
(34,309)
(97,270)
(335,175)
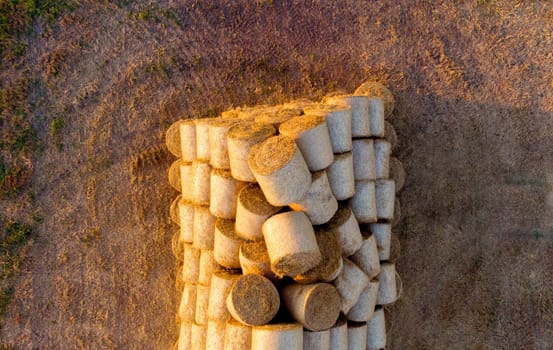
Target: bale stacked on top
(286,215)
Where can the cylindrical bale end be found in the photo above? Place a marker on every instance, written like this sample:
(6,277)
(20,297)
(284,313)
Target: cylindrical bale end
(346,226)
(331,263)
(215,335)
(376,89)
(363,310)
(254,258)
(367,258)
(319,204)
(253,300)
(252,210)
(350,284)
(279,336)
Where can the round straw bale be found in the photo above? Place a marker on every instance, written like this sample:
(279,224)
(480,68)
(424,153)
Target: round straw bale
(215,336)
(350,284)
(186,181)
(187,130)
(254,258)
(341,177)
(172,139)
(359,104)
(339,335)
(187,306)
(397,173)
(226,244)
(316,340)
(280,336)
(277,115)
(364,161)
(345,225)
(208,266)
(173,210)
(376,117)
(201,178)
(240,138)
(331,263)
(291,243)
(312,137)
(198,337)
(382,151)
(204,227)
(376,330)
(397,212)
(338,120)
(237,336)
(280,170)
(387,290)
(253,300)
(218,129)
(385,198)
(224,194)
(376,89)
(357,335)
(174,174)
(390,134)
(191,267)
(363,310)
(186,219)
(252,210)
(203,151)
(185,334)
(202,302)
(363,202)
(319,204)
(315,306)
(366,258)
(382,234)
(221,283)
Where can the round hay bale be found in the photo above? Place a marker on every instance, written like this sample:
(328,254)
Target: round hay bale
(385,199)
(350,284)
(376,330)
(357,335)
(341,177)
(376,117)
(319,204)
(316,340)
(173,210)
(215,336)
(367,258)
(187,131)
(252,210)
(224,191)
(280,170)
(345,225)
(221,284)
(237,336)
(339,335)
(280,336)
(240,138)
(208,266)
(315,306)
(331,263)
(387,289)
(364,160)
(172,139)
(186,220)
(363,202)
(253,300)
(227,244)
(359,104)
(185,333)
(187,306)
(218,130)
(202,302)
(310,132)
(338,120)
(186,180)
(198,337)
(382,232)
(291,243)
(204,227)
(382,152)
(174,175)
(191,267)
(376,89)
(363,310)
(254,258)
(201,181)
(203,150)
(277,115)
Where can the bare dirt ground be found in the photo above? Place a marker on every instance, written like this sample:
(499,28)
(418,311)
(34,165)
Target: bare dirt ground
(473,83)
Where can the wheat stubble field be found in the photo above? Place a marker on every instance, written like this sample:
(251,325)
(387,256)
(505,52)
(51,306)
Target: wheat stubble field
(88,91)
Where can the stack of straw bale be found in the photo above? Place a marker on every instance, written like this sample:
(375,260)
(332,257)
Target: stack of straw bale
(286,215)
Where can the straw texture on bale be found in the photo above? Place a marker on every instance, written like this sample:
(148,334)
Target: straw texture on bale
(240,138)
(204,227)
(280,170)
(315,306)
(350,284)
(338,120)
(226,244)
(363,310)
(215,335)
(173,210)
(237,336)
(208,266)
(357,336)
(316,340)
(376,117)
(191,267)
(319,204)
(203,151)
(376,89)
(363,202)
(382,152)
(187,306)
(172,138)
(339,335)
(291,243)
(360,124)
(187,130)
(277,115)
(367,258)
(397,173)
(385,199)
(187,181)
(254,258)
(186,220)
(390,134)
(383,235)
(387,290)
(185,334)
(341,177)
(174,175)
(287,336)
(310,132)
(345,225)
(364,159)
(202,303)
(218,129)
(253,300)
(201,179)
(331,263)
(224,191)
(252,210)
(376,331)
(198,337)
(221,284)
